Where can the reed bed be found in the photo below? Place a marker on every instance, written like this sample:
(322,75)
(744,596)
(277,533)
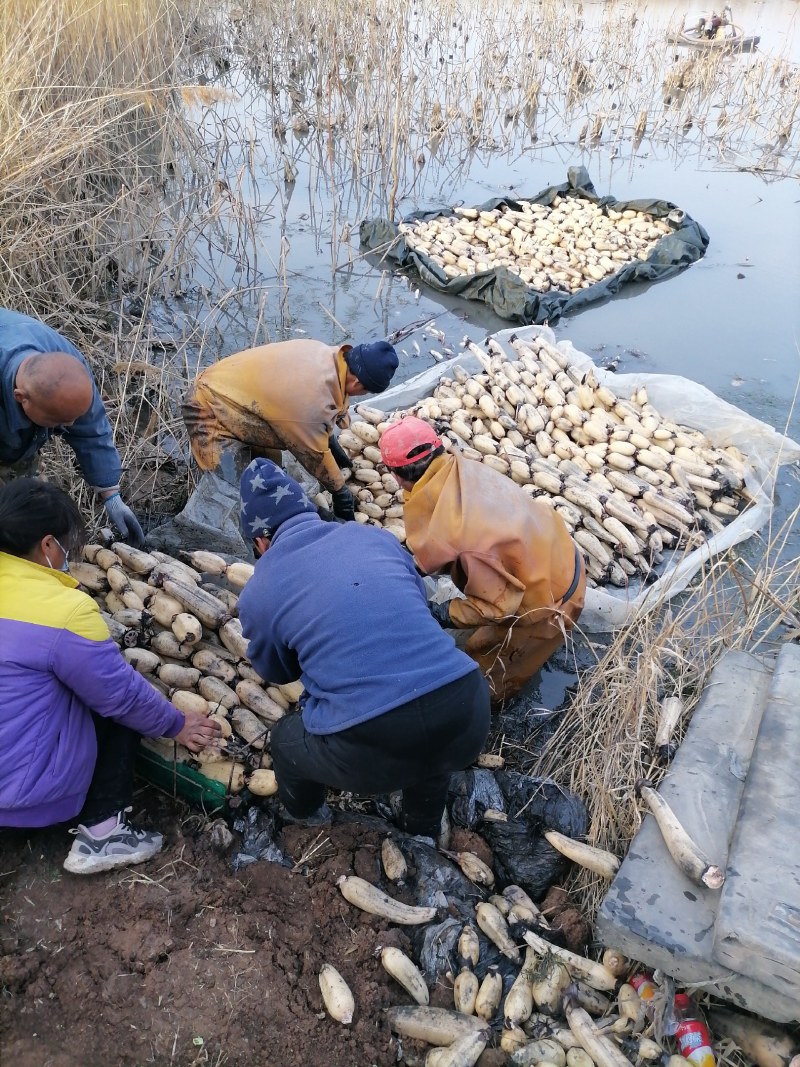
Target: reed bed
(84,145)
(605,741)
(386,104)
(143,147)
(111,206)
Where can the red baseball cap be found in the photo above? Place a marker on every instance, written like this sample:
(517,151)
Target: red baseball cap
(408,441)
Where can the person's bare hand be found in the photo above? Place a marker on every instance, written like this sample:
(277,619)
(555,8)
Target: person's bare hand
(198,732)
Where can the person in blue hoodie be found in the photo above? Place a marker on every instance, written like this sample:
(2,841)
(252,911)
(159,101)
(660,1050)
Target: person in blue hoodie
(46,387)
(390,703)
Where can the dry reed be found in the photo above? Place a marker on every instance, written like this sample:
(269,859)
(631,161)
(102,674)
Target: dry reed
(128,188)
(110,205)
(366,99)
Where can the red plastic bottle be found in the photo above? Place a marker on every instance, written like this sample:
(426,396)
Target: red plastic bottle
(645,986)
(691,1033)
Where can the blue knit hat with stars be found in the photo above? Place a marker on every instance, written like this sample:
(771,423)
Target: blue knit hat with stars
(269,498)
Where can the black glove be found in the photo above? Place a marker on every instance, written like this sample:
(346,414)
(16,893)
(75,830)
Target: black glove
(343,461)
(441,612)
(344,507)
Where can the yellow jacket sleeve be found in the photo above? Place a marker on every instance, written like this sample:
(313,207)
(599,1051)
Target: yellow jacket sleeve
(484,579)
(322,467)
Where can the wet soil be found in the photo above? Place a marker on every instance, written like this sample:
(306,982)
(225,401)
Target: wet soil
(182,961)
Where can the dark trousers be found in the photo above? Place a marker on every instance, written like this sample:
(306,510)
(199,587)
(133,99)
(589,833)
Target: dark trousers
(111,787)
(414,748)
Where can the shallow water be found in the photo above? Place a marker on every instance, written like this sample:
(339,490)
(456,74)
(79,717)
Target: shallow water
(730,321)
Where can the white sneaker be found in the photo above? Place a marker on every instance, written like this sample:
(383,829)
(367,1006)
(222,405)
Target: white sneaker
(124,845)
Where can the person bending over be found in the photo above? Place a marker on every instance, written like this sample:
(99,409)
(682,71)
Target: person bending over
(512,557)
(288,396)
(46,387)
(390,703)
(72,709)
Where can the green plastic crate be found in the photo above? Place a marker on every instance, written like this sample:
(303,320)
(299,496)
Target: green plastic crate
(181,780)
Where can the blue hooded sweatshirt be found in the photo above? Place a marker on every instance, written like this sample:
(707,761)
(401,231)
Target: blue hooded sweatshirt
(341,607)
(89,437)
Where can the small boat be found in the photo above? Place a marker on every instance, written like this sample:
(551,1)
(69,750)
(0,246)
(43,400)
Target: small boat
(728,37)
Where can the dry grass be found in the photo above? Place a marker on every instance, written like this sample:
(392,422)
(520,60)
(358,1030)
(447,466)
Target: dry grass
(88,139)
(127,188)
(109,208)
(86,142)
(605,741)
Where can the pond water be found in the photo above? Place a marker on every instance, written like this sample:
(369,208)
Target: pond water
(731,321)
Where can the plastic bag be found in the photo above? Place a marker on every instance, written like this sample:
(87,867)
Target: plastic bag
(677,398)
(435,947)
(438,883)
(522,856)
(542,802)
(471,793)
(258,829)
(209,521)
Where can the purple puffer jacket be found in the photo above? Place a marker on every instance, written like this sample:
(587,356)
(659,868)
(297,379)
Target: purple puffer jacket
(57,665)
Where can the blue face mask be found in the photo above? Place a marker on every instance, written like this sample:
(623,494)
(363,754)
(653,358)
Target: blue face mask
(65,565)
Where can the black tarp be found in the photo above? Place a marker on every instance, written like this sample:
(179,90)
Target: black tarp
(512,298)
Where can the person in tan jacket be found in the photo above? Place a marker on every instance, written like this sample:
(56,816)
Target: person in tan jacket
(284,396)
(512,557)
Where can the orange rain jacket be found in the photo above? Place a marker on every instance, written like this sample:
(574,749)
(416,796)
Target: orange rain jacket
(512,557)
(281,396)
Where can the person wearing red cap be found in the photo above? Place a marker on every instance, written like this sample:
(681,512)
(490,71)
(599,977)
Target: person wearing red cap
(285,396)
(511,556)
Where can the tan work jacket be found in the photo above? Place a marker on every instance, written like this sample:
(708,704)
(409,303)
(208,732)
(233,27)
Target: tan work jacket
(512,557)
(286,396)
(509,554)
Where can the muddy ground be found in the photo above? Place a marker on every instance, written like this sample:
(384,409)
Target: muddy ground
(184,961)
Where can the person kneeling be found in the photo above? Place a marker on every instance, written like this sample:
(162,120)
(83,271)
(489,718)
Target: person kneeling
(390,703)
(72,709)
(512,557)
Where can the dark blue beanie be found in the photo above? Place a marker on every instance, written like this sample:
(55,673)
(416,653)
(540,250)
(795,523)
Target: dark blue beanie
(269,498)
(374,365)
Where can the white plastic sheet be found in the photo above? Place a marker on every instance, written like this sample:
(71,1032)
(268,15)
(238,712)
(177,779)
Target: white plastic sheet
(681,400)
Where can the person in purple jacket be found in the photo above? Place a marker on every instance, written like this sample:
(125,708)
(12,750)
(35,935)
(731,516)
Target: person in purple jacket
(72,709)
(390,703)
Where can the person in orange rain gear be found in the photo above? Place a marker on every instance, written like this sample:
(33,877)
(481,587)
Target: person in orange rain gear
(288,395)
(522,575)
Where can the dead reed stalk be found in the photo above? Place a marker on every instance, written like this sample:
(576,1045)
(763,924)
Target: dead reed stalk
(104,203)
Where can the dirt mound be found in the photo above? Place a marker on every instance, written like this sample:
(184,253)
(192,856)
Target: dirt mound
(182,961)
